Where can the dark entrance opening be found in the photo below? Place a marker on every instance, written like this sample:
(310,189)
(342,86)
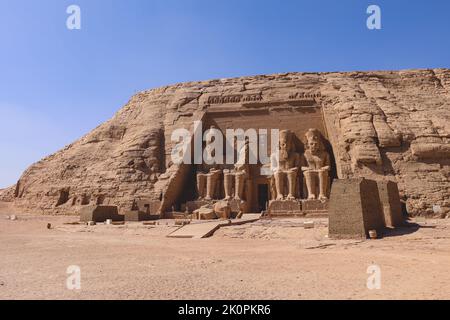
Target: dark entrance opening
(263,196)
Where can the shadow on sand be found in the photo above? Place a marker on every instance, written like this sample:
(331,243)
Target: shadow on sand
(407,228)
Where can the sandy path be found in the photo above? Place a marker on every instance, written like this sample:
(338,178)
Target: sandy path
(263,260)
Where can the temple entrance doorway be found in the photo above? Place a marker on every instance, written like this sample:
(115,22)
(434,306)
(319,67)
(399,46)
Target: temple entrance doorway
(263,196)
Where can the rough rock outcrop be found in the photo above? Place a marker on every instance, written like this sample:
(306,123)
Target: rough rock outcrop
(392,125)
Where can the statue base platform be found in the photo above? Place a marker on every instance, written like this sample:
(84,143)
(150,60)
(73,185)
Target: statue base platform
(236,205)
(317,208)
(285,208)
(298,208)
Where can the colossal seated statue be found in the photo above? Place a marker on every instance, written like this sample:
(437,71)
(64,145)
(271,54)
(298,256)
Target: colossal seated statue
(285,167)
(208,175)
(316,171)
(240,175)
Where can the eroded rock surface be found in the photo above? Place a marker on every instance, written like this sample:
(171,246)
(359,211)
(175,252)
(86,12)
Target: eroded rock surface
(392,125)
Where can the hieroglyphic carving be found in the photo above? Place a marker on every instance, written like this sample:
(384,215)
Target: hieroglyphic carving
(234,98)
(304,95)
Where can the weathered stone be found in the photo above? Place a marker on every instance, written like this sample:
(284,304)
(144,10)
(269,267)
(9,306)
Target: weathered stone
(182,222)
(355,208)
(308,224)
(100,214)
(380,125)
(137,215)
(390,202)
(205,213)
(222,209)
(285,208)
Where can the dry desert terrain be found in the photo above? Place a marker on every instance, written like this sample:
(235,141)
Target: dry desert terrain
(266,259)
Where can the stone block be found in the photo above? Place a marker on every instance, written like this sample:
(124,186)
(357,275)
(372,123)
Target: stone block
(205,213)
(100,214)
(309,206)
(191,206)
(222,209)
(285,208)
(137,215)
(308,224)
(239,206)
(355,208)
(148,206)
(390,201)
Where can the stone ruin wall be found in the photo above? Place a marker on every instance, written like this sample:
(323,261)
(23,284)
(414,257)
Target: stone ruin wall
(391,125)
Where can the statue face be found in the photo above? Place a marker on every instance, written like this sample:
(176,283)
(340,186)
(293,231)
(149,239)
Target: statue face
(285,144)
(313,146)
(313,141)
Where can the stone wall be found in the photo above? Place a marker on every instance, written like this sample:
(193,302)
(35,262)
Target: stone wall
(391,125)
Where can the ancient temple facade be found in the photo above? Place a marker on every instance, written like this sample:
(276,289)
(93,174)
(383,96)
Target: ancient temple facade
(384,126)
(295,179)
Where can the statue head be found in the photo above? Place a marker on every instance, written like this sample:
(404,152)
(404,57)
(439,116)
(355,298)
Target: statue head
(286,144)
(314,141)
(243,152)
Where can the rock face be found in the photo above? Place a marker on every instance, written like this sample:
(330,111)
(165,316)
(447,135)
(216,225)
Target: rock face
(390,125)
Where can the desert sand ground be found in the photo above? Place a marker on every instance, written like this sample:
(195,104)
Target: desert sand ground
(276,259)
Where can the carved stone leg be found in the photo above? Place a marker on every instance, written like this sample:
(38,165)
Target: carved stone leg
(292,182)
(228,185)
(323,185)
(279,185)
(240,185)
(310,178)
(211,185)
(201,184)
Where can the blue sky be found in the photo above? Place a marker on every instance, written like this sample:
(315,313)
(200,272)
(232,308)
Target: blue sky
(58,84)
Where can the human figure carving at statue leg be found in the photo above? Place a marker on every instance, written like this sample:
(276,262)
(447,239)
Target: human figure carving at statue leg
(228,184)
(212,178)
(279,185)
(310,184)
(239,185)
(201,185)
(323,186)
(292,183)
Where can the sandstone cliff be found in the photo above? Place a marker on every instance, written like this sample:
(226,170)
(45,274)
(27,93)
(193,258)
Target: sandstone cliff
(384,125)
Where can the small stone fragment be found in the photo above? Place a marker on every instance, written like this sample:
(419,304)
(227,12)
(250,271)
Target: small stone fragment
(308,224)
(373,234)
